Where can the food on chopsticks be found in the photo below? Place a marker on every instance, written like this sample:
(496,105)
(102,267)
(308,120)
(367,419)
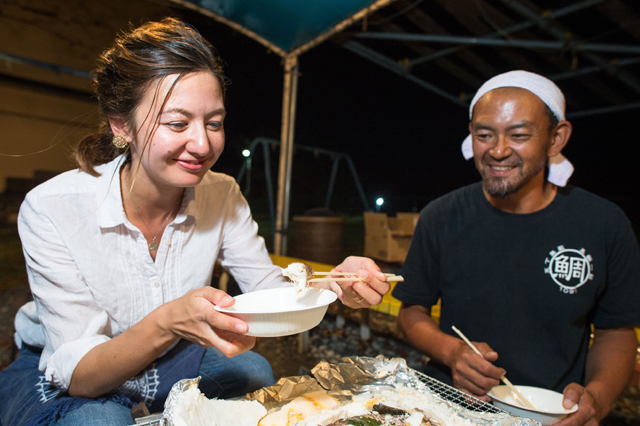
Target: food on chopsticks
(192,408)
(299,273)
(302,275)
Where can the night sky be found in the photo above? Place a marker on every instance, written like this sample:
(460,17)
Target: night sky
(404,140)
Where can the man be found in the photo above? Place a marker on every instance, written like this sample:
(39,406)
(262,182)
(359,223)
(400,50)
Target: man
(524,264)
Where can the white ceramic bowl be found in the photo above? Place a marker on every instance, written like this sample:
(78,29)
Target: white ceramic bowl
(280,311)
(548,403)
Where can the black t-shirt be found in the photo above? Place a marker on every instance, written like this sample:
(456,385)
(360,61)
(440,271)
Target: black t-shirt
(529,285)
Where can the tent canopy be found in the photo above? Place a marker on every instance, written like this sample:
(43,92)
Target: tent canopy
(287,27)
(284,23)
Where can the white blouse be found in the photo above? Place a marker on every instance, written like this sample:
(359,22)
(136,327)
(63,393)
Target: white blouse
(90,270)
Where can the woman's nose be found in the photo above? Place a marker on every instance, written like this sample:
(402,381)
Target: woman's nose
(199,144)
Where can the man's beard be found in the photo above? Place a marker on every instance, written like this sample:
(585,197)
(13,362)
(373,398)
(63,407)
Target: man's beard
(499,187)
(504,187)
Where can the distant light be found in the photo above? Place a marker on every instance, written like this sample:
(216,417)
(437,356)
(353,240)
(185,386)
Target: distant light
(380,201)
(246,152)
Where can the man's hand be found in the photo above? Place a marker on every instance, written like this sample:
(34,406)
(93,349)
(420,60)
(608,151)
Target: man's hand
(587,413)
(360,294)
(609,363)
(472,373)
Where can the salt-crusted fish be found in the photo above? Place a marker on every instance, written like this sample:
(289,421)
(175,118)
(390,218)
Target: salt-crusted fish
(299,273)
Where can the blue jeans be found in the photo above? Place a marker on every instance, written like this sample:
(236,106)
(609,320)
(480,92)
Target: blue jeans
(222,377)
(225,378)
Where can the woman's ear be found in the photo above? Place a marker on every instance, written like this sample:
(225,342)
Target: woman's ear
(559,138)
(119,127)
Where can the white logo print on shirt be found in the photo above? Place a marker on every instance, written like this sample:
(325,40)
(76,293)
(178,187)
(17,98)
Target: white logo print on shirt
(569,268)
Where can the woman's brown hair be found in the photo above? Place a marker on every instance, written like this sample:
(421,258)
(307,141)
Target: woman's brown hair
(138,59)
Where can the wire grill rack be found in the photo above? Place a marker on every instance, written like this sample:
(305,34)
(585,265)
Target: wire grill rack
(451,394)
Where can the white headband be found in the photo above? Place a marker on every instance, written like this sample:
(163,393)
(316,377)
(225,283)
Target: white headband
(560,169)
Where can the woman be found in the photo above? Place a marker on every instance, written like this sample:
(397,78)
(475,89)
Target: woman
(120,252)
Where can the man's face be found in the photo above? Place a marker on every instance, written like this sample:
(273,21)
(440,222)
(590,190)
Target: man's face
(510,132)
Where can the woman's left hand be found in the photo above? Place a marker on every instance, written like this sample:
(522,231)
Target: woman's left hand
(360,294)
(194,318)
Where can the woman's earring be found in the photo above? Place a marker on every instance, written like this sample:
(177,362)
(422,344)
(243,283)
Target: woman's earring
(120,142)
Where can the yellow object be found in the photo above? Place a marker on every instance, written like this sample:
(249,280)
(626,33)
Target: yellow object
(435,312)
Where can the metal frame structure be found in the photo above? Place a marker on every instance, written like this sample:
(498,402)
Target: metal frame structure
(542,21)
(576,7)
(562,34)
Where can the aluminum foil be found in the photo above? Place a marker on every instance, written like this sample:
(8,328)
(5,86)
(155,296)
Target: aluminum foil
(178,388)
(354,375)
(284,391)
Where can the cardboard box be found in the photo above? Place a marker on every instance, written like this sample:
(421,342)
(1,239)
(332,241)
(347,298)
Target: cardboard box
(388,238)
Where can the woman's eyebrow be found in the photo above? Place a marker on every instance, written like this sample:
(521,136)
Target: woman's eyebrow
(218,111)
(177,111)
(188,114)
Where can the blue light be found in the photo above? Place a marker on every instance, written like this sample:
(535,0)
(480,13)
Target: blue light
(380,201)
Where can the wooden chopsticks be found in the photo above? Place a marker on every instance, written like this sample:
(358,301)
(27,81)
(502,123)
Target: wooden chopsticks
(343,273)
(503,378)
(349,276)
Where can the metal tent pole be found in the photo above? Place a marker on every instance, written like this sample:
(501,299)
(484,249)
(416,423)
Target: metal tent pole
(392,65)
(592,69)
(286,153)
(603,110)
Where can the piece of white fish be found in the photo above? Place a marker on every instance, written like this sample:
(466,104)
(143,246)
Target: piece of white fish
(299,273)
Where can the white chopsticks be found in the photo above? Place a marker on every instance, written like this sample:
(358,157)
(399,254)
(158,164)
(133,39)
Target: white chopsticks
(503,378)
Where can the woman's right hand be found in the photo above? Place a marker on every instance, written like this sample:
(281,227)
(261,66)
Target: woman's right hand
(193,317)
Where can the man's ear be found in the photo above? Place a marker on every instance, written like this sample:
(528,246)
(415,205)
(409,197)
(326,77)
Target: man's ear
(559,138)
(119,127)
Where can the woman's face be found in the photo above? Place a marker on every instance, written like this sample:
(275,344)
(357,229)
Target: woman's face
(188,136)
